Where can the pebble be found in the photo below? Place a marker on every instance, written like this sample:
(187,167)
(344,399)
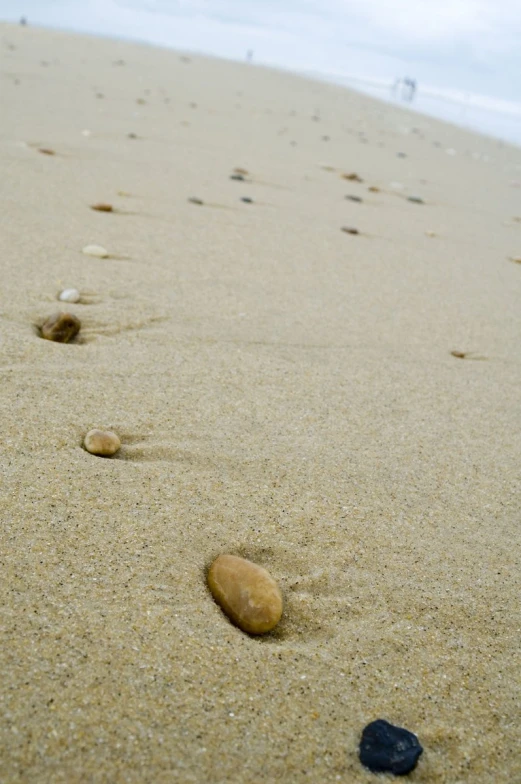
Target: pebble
(46,151)
(415,199)
(246,200)
(401,155)
(238,177)
(104,443)
(374,189)
(60,327)
(350,230)
(354,198)
(459,354)
(246,592)
(240,170)
(102,207)
(353,176)
(386,748)
(430,233)
(96,250)
(69,295)
(194,200)
(515,259)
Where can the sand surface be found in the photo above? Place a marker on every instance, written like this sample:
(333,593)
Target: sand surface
(283,391)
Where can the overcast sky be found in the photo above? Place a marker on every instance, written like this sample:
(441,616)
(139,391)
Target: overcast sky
(467,44)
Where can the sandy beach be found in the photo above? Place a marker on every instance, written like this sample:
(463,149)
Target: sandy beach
(341,408)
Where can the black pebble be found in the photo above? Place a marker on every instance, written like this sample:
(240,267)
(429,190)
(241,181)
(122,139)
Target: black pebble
(238,177)
(386,748)
(247,200)
(354,198)
(194,200)
(415,199)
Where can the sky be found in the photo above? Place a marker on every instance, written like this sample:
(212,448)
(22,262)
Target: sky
(463,46)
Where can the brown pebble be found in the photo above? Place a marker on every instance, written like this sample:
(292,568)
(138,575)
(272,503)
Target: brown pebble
(353,176)
(239,170)
(515,259)
(101,207)
(60,327)
(459,354)
(246,592)
(104,443)
(350,230)
(46,151)
(374,189)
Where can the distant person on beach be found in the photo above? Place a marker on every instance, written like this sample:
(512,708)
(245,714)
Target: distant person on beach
(23,21)
(249,55)
(405,88)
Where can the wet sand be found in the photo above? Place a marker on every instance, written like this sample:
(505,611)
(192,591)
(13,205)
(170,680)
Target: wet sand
(284,391)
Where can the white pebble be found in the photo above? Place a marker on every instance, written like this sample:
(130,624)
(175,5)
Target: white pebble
(96,250)
(69,295)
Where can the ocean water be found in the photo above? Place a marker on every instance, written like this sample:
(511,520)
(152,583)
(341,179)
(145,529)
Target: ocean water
(320,38)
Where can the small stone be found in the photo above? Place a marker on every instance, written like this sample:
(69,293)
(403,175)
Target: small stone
(95,250)
(238,177)
(247,593)
(141,101)
(401,155)
(60,327)
(353,177)
(246,200)
(69,295)
(430,233)
(415,199)
(350,230)
(195,200)
(132,135)
(374,189)
(386,748)
(515,259)
(46,151)
(459,354)
(354,198)
(102,207)
(240,170)
(104,443)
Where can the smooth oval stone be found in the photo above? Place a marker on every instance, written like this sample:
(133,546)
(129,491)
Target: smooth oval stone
(101,442)
(247,593)
(60,327)
(69,295)
(95,250)
(386,748)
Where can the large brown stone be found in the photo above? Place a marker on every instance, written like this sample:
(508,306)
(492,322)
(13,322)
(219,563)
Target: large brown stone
(247,593)
(104,443)
(61,327)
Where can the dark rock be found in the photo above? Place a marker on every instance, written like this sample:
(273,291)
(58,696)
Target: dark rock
(238,177)
(194,200)
(350,230)
(353,198)
(401,155)
(61,327)
(247,200)
(415,199)
(386,748)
